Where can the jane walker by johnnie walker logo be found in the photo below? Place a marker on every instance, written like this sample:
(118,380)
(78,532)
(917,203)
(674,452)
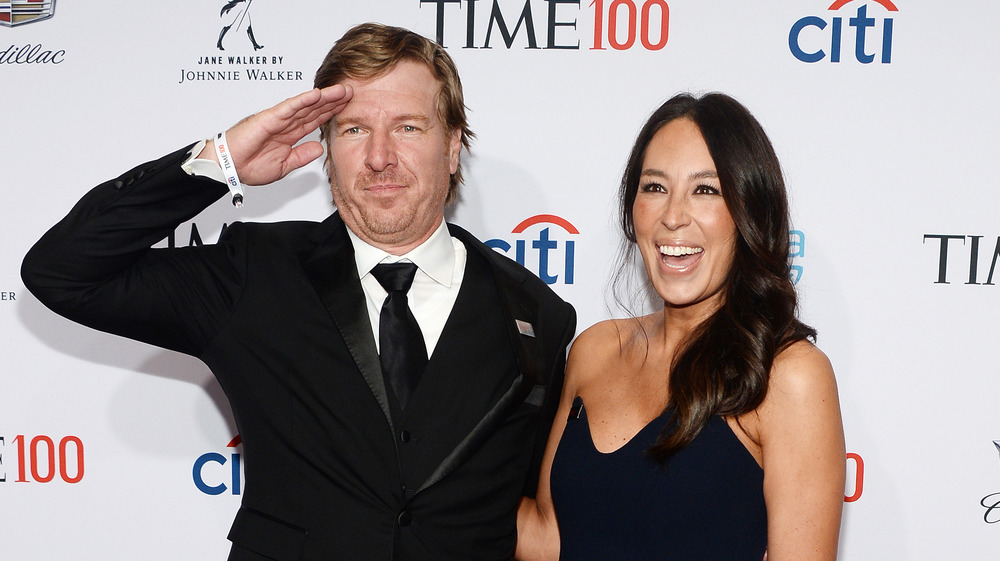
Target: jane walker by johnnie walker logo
(22,12)
(258,65)
(241,9)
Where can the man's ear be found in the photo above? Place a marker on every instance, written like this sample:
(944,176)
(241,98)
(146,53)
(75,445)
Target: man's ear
(455,145)
(328,159)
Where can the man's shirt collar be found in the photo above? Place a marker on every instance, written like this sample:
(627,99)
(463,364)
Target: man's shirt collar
(435,257)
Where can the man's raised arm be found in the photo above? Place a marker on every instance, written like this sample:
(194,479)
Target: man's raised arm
(96,265)
(263,145)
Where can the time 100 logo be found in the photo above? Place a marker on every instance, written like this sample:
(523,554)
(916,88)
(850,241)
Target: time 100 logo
(41,459)
(654,15)
(618,24)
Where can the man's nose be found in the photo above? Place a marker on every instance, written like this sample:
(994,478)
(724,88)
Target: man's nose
(381,152)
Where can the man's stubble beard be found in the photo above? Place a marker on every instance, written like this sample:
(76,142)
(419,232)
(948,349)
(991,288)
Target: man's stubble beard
(383,225)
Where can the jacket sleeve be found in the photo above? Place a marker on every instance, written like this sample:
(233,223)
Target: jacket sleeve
(97,267)
(556,343)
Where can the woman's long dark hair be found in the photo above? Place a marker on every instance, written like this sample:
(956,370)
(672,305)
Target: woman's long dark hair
(725,363)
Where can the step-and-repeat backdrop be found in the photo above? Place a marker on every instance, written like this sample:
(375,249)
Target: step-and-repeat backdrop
(884,115)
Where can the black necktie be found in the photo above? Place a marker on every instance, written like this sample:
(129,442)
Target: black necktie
(401,346)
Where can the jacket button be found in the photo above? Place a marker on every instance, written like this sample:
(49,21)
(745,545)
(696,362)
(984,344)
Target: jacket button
(404,518)
(404,436)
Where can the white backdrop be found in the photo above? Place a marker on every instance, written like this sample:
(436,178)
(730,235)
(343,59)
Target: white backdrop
(882,158)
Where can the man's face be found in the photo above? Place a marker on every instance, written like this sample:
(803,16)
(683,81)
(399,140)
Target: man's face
(392,157)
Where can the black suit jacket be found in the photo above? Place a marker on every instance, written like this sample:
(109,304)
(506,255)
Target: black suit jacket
(334,470)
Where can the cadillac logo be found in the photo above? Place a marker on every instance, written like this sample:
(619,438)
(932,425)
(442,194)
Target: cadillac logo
(20,12)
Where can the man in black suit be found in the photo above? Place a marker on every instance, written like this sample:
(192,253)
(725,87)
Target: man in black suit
(342,462)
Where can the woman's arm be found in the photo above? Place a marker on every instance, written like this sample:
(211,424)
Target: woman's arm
(802,443)
(537,531)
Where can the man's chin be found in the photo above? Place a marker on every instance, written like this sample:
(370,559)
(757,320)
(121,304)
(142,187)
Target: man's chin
(387,229)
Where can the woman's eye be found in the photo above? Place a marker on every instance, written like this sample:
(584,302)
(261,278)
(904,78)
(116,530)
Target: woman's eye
(651,188)
(706,190)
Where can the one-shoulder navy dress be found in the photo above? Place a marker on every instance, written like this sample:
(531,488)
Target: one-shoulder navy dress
(705,504)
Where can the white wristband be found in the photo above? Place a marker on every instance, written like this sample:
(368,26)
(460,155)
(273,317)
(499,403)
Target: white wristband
(229,169)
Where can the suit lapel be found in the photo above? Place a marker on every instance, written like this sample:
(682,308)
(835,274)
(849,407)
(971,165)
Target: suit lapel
(519,307)
(520,315)
(330,269)
(332,272)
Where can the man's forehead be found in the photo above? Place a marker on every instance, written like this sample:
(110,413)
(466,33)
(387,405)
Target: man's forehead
(386,105)
(405,79)
(384,94)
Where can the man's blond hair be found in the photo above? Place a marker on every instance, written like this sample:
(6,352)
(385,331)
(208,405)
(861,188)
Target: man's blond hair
(370,50)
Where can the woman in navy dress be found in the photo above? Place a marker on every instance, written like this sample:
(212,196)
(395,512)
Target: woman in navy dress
(709,430)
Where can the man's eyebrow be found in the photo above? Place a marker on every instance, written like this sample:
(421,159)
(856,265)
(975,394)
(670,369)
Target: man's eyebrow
(341,119)
(414,117)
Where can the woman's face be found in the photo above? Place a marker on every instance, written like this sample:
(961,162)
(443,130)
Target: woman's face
(683,228)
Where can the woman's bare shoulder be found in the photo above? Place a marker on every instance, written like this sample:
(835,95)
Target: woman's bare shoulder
(802,390)
(802,366)
(609,338)
(600,347)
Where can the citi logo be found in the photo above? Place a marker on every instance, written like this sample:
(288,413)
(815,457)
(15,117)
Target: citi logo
(552,254)
(211,468)
(810,36)
(796,252)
